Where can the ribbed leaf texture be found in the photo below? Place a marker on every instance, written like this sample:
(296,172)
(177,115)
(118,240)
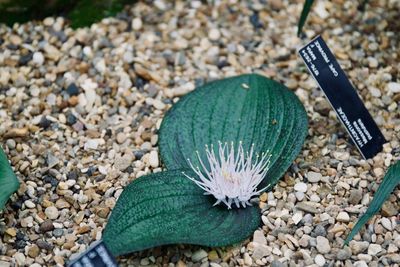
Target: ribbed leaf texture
(247,108)
(167,208)
(8,181)
(389,183)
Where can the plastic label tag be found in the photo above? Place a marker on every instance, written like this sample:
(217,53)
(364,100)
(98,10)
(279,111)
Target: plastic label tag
(342,96)
(96,256)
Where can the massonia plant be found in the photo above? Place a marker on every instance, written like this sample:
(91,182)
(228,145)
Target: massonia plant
(222,145)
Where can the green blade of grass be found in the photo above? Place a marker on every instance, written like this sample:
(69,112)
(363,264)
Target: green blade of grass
(304,14)
(389,183)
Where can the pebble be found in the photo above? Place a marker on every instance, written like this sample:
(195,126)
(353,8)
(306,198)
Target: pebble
(38,58)
(29,204)
(300,187)
(374,249)
(358,247)
(343,217)
(258,237)
(319,260)
(214,34)
(393,87)
(198,255)
(52,212)
(323,245)
(307,208)
(355,197)
(137,24)
(297,217)
(314,177)
(386,223)
(153,159)
(46,226)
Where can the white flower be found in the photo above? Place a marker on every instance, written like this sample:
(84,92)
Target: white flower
(231,177)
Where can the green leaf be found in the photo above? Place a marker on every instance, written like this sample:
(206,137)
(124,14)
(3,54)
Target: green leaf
(248,108)
(8,181)
(168,208)
(389,183)
(304,14)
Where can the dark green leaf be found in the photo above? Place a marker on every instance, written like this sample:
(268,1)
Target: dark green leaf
(8,181)
(389,183)
(304,14)
(247,108)
(168,208)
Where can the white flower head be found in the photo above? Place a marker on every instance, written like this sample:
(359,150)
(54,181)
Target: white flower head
(231,177)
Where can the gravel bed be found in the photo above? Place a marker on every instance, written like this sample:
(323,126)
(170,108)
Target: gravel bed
(80,109)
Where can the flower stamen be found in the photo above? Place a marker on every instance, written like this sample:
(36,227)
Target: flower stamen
(232,178)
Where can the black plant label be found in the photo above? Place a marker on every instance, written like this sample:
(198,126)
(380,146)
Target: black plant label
(342,96)
(96,256)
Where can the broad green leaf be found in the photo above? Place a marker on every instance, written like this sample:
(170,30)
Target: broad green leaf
(168,208)
(304,14)
(8,181)
(247,108)
(389,183)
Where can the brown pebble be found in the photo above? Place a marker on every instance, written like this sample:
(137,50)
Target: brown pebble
(33,251)
(46,226)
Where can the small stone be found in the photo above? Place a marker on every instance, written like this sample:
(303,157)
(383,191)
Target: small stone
(300,187)
(358,247)
(20,258)
(258,237)
(11,143)
(72,90)
(372,62)
(52,212)
(11,232)
(314,177)
(386,223)
(343,217)
(44,245)
(91,144)
(214,34)
(343,254)
(144,261)
(199,255)
(38,58)
(33,251)
(137,24)
(323,246)
(393,87)
(297,217)
(247,259)
(276,263)
(319,260)
(46,226)
(153,159)
(213,255)
(58,232)
(355,196)
(374,249)
(389,209)
(319,230)
(121,137)
(375,92)
(307,208)
(29,204)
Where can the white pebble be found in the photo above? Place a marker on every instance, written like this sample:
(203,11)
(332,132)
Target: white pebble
(393,87)
(323,245)
(51,212)
(137,24)
(314,177)
(29,204)
(374,249)
(214,34)
(38,58)
(300,187)
(153,159)
(386,223)
(297,217)
(319,260)
(343,217)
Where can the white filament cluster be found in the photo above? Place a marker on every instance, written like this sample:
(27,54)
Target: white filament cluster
(231,177)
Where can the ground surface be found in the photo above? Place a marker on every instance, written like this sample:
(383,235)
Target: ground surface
(79,112)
